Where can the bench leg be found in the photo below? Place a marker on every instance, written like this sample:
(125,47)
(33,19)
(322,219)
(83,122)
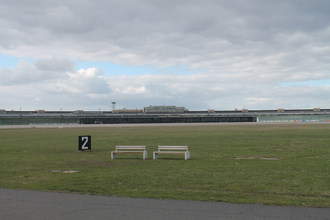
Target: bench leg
(145,155)
(187,155)
(155,155)
(113,155)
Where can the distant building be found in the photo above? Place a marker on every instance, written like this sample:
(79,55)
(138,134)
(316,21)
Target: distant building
(41,111)
(127,111)
(164,109)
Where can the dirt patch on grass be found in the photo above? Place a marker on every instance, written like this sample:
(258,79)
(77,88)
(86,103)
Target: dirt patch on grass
(256,157)
(64,171)
(97,163)
(111,163)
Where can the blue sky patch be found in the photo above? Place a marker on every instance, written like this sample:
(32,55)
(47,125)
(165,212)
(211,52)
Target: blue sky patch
(8,61)
(112,69)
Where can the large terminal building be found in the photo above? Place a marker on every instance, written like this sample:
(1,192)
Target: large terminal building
(160,114)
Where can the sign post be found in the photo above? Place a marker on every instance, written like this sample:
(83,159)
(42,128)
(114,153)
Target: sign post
(85,142)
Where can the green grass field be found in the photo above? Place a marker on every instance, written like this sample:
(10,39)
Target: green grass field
(228,163)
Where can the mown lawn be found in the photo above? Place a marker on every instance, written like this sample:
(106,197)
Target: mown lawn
(265,164)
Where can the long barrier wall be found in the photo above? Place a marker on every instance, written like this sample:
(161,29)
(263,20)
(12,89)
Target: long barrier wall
(98,117)
(293,118)
(169,119)
(31,121)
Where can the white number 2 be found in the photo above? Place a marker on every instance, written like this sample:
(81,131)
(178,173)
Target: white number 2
(83,146)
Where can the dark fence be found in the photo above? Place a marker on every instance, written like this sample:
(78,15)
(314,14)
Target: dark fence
(164,120)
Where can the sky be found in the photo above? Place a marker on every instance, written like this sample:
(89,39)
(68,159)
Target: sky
(212,54)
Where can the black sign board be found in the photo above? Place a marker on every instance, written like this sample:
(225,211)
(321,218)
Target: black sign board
(85,142)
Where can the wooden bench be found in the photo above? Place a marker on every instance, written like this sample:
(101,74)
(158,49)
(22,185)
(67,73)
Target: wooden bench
(130,150)
(172,150)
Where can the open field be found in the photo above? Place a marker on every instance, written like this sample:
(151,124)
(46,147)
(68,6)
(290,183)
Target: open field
(276,164)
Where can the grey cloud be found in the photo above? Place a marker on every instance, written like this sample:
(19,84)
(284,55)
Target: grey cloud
(55,64)
(233,44)
(25,73)
(227,19)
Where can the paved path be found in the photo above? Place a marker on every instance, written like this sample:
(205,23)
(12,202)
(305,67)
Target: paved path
(24,204)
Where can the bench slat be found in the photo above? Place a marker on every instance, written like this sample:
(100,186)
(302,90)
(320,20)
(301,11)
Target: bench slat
(130,152)
(170,152)
(172,147)
(121,147)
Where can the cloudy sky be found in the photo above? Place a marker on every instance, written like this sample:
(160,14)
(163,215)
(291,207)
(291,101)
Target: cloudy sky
(221,54)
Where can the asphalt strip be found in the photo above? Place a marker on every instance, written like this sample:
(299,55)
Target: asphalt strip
(25,204)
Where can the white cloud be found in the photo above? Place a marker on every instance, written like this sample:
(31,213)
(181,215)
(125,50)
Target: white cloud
(89,73)
(132,90)
(51,86)
(258,99)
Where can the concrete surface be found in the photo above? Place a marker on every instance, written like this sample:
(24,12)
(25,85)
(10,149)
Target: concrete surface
(24,204)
